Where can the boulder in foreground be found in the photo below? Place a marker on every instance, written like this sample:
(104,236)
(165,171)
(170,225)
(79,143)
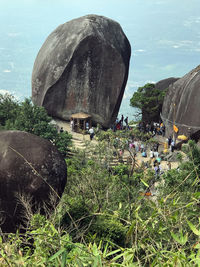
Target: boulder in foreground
(30,167)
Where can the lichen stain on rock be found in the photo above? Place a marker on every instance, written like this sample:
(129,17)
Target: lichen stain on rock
(70,102)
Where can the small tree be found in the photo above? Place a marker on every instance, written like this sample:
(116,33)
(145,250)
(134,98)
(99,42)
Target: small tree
(149,100)
(8,108)
(34,119)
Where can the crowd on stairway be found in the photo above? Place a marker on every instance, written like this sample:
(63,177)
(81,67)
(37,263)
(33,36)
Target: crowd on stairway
(151,152)
(153,127)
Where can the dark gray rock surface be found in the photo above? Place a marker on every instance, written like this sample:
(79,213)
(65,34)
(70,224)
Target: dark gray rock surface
(181,104)
(164,84)
(31,166)
(82,67)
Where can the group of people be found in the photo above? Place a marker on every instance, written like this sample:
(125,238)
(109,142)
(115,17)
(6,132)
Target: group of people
(121,124)
(153,127)
(137,146)
(141,147)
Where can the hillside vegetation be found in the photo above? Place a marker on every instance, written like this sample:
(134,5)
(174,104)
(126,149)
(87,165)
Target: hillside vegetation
(148,99)
(104,217)
(25,116)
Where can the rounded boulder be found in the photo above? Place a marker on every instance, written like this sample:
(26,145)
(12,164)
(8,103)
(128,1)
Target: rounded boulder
(181,105)
(83,67)
(30,168)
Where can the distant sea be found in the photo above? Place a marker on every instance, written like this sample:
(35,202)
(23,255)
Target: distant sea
(165,41)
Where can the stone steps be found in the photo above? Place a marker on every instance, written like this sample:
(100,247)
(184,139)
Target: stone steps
(80,142)
(115,161)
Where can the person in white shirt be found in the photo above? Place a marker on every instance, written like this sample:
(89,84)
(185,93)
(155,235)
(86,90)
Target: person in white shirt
(151,154)
(72,125)
(91,133)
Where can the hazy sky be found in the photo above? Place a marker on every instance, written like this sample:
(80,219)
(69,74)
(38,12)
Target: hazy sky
(164,36)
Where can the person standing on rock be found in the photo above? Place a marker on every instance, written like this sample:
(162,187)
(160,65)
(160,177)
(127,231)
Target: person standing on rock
(122,121)
(91,133)
(169,140)
(156,146)
(126,121)
(172,145)
(157,170)
(151,154)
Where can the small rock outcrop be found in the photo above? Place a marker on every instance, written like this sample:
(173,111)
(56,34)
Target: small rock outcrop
(29,166)
(82,67)
(181,104)
(164,84)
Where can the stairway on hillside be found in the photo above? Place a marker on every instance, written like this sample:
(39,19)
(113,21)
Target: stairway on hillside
(80,144)
(80,141)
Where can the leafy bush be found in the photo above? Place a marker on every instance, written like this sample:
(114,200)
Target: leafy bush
(25,116)
(103,220)
(108,229)
(149,100)
(8,108)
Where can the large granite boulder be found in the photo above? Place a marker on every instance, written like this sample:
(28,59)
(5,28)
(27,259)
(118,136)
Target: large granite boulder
(30,167)
(82,67)
(164,84)
(181,104)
